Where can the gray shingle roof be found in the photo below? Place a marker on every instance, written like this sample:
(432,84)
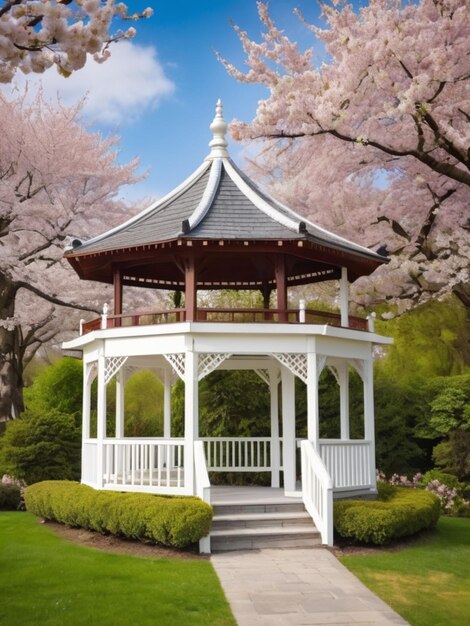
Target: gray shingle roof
(222,203)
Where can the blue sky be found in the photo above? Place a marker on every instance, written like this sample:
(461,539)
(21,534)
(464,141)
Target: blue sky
(158,92)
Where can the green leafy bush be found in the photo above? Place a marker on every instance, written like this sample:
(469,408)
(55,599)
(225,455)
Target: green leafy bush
(167,520)
(41,447)
(404,512)
(10,497)
(443,477)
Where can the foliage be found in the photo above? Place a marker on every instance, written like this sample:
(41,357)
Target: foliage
(445,486)
(426,582)
(10,497)
(405,513)
(448,419)
(171,521)
(41,447)
(44,198)
(57,388)
(431,340)
(49,581)
(143,405)
(37,35)
(373,142)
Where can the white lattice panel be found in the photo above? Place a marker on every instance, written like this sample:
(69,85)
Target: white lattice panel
(208,362)
(177,362)
(112,366)
(296,363)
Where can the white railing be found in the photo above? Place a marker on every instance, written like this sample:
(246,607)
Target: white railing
(203,488)
(348,462)
(317,491)
(237,454)
(151,465)
(89,461)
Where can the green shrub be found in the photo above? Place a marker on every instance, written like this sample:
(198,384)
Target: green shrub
(403,512)
(167,520)
(41,447)
(443,477)
(10,497)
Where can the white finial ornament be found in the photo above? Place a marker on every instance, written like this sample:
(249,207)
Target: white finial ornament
(218,144)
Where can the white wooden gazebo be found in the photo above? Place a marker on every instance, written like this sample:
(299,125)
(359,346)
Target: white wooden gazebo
(217,230)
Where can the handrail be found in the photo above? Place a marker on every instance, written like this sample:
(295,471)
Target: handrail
(203,488)
(224,315)
(317,491)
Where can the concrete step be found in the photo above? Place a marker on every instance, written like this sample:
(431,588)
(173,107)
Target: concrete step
(259,520)
(240,508)
(274,523)
(297,536)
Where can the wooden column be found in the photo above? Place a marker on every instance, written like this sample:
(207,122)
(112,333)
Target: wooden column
(313,412)
(281,287)
(343,379)
(275,452)
(117,282)
(167,404)
(191,417)
(101,422)
(288,429)
(344,297)
(369,419)
(190,290)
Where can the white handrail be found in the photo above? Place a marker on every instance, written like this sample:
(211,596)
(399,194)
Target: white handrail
(317,491)
(203,488)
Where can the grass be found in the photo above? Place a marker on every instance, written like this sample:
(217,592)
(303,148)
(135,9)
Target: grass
(428,583)
(49,581)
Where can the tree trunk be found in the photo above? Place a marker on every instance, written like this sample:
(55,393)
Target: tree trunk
(11,370)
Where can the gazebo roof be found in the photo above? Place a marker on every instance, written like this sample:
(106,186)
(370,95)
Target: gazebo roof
(218,203)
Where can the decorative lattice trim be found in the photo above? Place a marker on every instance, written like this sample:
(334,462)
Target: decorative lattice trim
(296,363)
(264,375)
(112,367)
(358,365)
(333,369)
(91,372)
(208,362)
(177,362)
(321,362)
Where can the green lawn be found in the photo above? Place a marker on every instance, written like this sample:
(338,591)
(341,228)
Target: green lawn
(47,581)
(429,583)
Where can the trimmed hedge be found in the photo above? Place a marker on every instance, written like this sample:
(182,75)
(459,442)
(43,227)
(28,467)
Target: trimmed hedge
(167,520)
(10,497)
(399,513)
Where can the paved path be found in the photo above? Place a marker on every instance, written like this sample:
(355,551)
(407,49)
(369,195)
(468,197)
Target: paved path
(297,586)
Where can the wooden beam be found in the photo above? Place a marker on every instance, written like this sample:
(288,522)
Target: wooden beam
(281,287)
(117,282)
(190,289)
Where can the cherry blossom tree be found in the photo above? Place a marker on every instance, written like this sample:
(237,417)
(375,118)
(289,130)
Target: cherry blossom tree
(56,180)
(36,35)
(374,143)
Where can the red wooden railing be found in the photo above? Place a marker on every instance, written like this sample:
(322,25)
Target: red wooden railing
(225,315)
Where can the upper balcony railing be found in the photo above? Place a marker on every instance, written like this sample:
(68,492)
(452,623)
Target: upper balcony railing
(224,315)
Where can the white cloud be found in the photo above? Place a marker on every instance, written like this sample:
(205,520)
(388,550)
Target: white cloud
(130,81)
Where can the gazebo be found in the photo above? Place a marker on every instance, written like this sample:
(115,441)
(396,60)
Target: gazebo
(218,230)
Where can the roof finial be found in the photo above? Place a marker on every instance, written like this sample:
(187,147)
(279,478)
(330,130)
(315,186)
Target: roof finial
(218,144)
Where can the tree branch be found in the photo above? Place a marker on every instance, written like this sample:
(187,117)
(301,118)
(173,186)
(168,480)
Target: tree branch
(52,299)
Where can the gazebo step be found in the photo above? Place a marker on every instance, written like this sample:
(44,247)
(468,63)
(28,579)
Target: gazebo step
(259,520)
(299,536)
(243,507)
(274,523)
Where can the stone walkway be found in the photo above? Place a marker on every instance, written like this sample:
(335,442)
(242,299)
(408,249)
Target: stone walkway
(297,586)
